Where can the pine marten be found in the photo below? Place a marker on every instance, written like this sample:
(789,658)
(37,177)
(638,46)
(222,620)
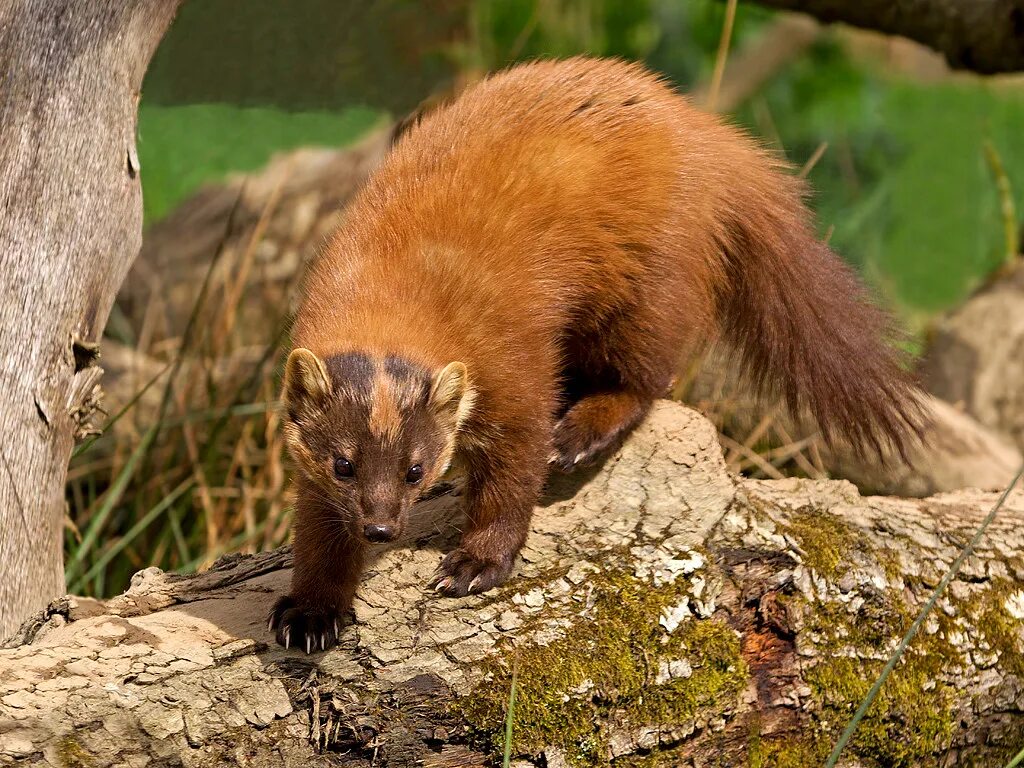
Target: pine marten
(513,288)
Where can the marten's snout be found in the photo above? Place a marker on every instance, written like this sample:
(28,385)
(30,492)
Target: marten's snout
(378,533)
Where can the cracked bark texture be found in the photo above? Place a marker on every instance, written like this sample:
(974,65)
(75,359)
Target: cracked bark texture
(71,226)
(807,583)
(986,36)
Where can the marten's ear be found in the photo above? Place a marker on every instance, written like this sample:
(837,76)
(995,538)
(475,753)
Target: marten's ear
(305,380)
(452,393)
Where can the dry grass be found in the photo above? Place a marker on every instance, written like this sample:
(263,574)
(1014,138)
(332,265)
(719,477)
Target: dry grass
(754,435)
(193,466)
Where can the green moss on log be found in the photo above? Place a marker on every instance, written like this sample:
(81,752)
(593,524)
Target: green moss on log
(911,721)
(72,755)
(825,539)
(997,627)
(609,660)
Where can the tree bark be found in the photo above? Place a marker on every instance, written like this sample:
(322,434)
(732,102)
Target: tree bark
(986,36)
(71,226)
(661,605)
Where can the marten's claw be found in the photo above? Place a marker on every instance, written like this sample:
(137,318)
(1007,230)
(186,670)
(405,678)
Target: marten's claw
(460,574)
(310,628)
(575,447)
(570,459)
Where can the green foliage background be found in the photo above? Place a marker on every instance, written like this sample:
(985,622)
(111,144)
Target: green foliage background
(903,186)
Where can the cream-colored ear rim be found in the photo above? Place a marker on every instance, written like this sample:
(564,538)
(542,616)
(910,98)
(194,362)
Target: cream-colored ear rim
(305,379)
(452,392)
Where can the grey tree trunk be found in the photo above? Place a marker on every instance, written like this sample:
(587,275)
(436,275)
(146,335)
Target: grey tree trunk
(662,606)
(71,224)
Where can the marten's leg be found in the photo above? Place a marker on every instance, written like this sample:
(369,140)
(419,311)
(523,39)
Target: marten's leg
(502,488)
(614,374)
(328,561)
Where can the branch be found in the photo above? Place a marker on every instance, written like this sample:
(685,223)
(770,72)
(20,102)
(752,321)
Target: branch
(986,36)
(661,605)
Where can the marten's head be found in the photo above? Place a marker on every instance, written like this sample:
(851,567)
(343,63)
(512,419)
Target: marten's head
(372,434)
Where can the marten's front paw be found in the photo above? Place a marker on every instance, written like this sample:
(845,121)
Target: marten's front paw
(460,574)
(303,626)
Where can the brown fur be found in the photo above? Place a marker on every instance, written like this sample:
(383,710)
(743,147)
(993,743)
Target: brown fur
(565,230)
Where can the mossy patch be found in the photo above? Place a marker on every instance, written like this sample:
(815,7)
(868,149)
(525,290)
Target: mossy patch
(910,721)
(609,660)
(824,539)
(791,751)
(1000,630)
(72,755)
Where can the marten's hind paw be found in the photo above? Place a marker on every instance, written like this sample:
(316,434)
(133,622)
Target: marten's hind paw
(461,574)
(594,426)
(303,626)
(575,447)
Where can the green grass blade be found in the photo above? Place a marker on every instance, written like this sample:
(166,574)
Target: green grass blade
(110,500)
(1007,209)
(132,533)
(510,717)
(1018,760)
(101,583)
(180,542)
(83,447)
(890,665)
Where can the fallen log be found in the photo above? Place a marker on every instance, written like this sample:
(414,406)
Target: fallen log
(662,606)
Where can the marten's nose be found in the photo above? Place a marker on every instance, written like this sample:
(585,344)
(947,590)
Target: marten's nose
(377,533)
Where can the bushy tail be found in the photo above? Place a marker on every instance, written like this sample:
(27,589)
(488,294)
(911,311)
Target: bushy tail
(805,325)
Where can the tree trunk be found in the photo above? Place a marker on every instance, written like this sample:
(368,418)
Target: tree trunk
(661,606)
(71,226)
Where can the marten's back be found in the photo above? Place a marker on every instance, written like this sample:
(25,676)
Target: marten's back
(553,188)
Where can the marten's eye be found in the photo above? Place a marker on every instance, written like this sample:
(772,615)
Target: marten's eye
(343,468)
(414,475)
